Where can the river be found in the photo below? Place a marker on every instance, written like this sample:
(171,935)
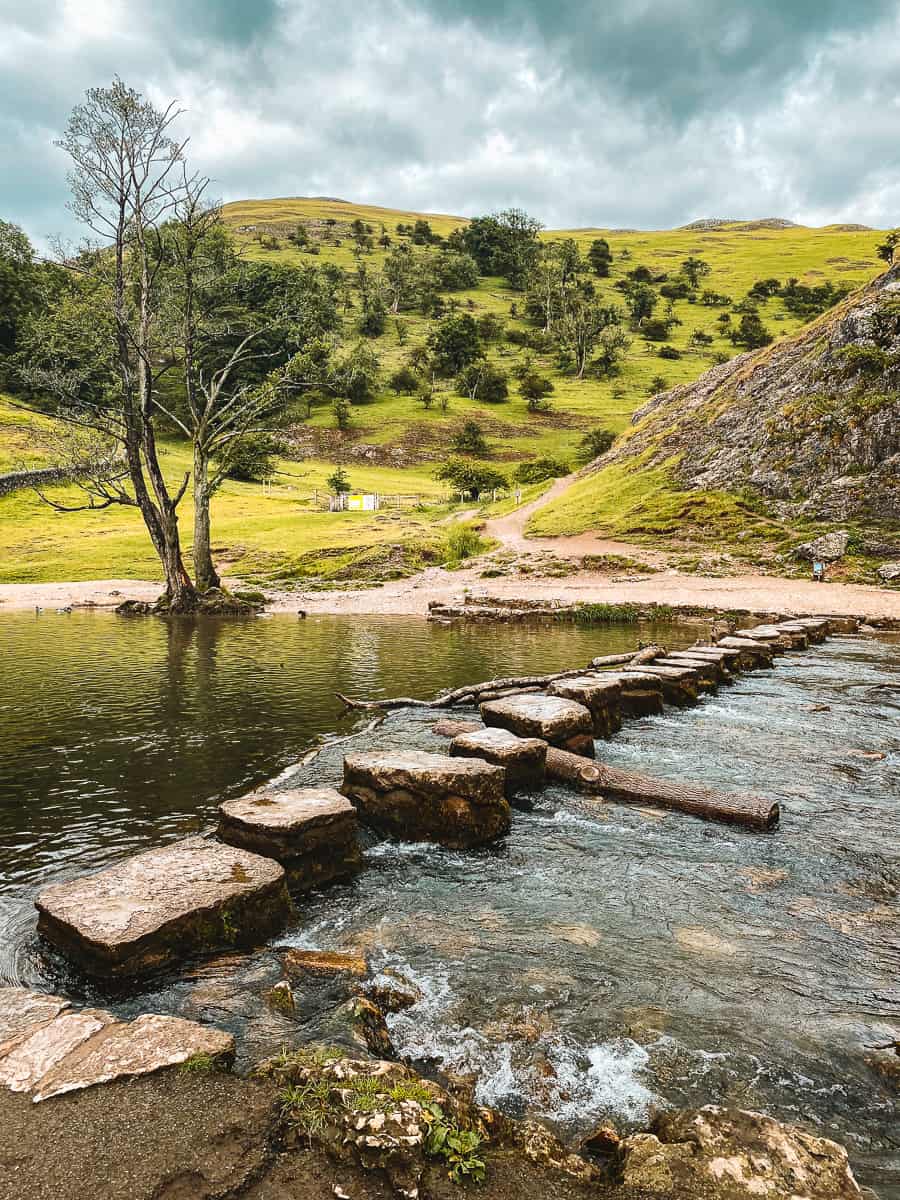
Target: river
(592,964)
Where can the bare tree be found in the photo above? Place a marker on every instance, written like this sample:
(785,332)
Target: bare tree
(126,181)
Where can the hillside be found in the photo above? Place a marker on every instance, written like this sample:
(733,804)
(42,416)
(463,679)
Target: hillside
(394,442)
(803,432)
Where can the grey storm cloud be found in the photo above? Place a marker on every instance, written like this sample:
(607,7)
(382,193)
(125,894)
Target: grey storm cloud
(631,112)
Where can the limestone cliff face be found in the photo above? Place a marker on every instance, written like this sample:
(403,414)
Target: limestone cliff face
(812,424)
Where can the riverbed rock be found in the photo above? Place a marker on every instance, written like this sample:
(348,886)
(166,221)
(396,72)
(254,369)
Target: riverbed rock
(730,1154)
(311,831)
(598,693)
(827,548)
(323,963)
(523,759)
(47,1048)
(161,906)
(563,723)
(451,729)
(889,572)
(416,796)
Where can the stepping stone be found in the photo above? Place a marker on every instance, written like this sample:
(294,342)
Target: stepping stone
(415,796)
(816,627)
(679,684)
(769,634)
(719,664)
(708,674)
(641,695)
(799,634)
(754,653)
(47,1048)
(523,759)
(563,723)
(842,624)
(598,693)
(311,831)
(160,907)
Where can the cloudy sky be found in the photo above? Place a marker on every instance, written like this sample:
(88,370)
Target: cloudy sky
(643,113)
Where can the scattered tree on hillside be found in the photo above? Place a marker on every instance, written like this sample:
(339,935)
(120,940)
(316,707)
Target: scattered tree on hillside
(888,248)
(338,482)
(600,257)
(695,269)
(612,346)
(539,469)
(482,380)
(640,300)
(751,332)
(454,344)
(535,389)
(252,458)
(580,328)
(470,440)
(504,243)
(466,476)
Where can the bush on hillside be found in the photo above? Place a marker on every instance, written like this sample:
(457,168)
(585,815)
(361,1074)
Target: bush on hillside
(482,380)
(404,381)
(594,443)
(470,440)
(466,476)
(251,458)
(540,469)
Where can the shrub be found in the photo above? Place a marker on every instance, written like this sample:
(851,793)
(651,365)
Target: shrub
(455,344)
(751,333)
(464,541)
(669,352)
(338,481)
(470,440)
(535,389)
(594,443)
(481,380)
(655,329)
(606,614)
(490,327)
(404,381)
(517,337)
(540,469)
(656,385)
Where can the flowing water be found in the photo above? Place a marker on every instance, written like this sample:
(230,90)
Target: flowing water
(597,962)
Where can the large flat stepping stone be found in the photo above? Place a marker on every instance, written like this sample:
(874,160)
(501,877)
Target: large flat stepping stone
(598,693)
(311,831)
(753,653)
(161,906)
(563,723)
(641,692)
(415,796)
(47,1048)
(523,759)
(707,674)
(679,684)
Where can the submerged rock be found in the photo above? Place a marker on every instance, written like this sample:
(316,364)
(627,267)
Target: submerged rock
(324,963)
(311,831)
(161,906)
(563,723)
(730,1154)
(46,1048)
(415,796)
(523,759)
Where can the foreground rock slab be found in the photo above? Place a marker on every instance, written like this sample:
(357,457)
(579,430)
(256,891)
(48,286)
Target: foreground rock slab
(523,759)
(46,1048)
(160,907)
(729,1154)
(563,723)
(311,831)
(415,796)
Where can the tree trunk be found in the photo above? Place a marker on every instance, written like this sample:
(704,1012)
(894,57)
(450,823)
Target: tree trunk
(755,812)
(204,569)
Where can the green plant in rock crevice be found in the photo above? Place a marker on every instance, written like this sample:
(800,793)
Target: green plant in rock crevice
(458,1147)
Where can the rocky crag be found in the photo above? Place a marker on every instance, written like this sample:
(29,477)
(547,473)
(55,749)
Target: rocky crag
(811,424)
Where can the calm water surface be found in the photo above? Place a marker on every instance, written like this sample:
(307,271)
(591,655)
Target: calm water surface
(592,964)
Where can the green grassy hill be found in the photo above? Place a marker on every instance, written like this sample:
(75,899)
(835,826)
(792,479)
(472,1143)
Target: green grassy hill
(394,443)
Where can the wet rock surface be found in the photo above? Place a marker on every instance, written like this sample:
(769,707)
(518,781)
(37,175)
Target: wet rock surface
(417,796)
(163,905)
(563,723)
(730,1154)
(311,831)
(47,1048)
(600,694)
(523,759)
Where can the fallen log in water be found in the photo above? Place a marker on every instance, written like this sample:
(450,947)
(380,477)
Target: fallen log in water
(474,693)
(755,812)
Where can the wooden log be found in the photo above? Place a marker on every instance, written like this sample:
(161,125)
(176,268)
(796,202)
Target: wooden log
(754,812)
